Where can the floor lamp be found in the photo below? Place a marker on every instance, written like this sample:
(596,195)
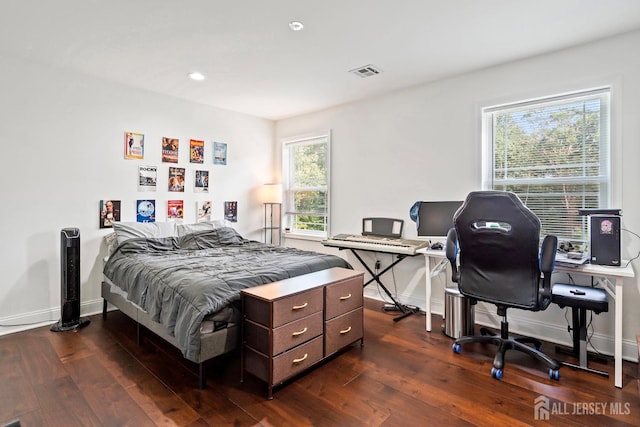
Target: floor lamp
(272,213)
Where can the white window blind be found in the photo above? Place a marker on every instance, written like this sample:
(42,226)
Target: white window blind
(306,166)
(554,154)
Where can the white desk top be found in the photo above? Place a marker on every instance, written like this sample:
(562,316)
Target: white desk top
(599,270)
(432,252)
(592,269)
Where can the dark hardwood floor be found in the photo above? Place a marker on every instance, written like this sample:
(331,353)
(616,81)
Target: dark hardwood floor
(403,376)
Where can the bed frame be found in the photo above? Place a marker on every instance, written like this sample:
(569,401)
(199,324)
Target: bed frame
(211,344)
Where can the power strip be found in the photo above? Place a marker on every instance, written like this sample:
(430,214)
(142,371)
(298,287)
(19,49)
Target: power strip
(390,307)
(393,307)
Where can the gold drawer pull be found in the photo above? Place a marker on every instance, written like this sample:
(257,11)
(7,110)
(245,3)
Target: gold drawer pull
(346,330)
(298,307)
(301,359)
(295,334)
(345,297)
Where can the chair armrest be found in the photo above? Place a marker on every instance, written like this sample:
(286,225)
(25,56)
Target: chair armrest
(451,250)
(548,254)
(547,261)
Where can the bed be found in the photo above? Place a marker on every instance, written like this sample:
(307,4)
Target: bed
(183,282)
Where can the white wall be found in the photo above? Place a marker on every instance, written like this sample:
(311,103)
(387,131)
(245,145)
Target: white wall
(424,143)
(61,139)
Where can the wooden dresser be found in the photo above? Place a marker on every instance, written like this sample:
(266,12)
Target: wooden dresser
(293,324)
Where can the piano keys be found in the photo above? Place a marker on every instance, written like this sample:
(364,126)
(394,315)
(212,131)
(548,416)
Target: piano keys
(376,244)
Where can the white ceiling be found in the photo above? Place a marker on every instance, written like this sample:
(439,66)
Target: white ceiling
(255,64)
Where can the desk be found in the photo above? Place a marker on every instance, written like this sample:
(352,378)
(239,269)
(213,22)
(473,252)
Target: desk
(609,278)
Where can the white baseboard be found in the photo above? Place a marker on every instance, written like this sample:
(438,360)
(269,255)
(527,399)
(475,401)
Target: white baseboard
(556,334)
(35,319)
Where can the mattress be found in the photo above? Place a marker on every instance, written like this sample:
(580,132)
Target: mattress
(227,316)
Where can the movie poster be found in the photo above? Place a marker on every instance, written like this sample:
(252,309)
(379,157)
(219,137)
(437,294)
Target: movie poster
(196,151)
(146,211)
(231,211)
(175,210)
(204,211)
(147,178)
(219,153)
(176,180)
(109,213)
(170,150)
(133,145)
(201,182)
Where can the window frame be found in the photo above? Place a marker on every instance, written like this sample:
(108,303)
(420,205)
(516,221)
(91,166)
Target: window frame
(288,192)
(607,195)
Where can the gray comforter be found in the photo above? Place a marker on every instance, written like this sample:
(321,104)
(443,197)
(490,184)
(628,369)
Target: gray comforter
(179,281)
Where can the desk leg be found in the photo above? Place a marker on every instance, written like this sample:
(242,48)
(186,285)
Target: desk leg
(427,281)
(618,332)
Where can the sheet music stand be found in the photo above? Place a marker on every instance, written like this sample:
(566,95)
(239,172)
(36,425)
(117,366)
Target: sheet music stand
(383,227)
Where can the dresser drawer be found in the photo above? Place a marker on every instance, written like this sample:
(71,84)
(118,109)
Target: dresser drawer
(297,306)
(286,364)
(278,311)
(343,330)
(285,337)
(295,333)
(296,360)
(342,297)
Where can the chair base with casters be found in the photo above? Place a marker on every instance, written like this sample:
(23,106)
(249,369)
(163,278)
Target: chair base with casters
(506,342)
(580,299)
(496,257)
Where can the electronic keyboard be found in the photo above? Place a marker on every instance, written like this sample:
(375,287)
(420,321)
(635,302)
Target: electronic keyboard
(376,243)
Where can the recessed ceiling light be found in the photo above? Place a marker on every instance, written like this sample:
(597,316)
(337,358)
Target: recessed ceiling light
(196,76)
(296,25)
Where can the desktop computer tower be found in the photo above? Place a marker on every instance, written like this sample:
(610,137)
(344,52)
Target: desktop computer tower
(605,239)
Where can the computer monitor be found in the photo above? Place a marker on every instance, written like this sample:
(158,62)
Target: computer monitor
(435,219)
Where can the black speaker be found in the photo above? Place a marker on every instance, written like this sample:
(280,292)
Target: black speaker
(70,282)
(605,239)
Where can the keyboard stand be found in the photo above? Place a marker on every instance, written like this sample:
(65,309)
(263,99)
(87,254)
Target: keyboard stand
(406,311)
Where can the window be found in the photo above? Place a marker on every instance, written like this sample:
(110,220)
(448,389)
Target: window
(554,154)
(306,185)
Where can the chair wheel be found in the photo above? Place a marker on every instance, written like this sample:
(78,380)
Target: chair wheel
(554,374)
(496,373)
(456,348)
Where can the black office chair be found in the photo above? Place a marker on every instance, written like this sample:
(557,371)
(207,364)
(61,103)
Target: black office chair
(495,257)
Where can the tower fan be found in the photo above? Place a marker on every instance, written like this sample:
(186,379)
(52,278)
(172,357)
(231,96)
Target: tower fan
(70,282)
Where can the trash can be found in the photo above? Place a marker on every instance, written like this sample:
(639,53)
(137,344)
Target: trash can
(459,318)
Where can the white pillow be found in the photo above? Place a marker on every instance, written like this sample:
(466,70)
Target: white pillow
(184,229)
(129,230)
(111,242)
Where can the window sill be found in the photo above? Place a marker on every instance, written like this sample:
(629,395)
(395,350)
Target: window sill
(300,236)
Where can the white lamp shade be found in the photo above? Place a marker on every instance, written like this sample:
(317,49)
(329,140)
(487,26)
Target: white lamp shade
(272,193)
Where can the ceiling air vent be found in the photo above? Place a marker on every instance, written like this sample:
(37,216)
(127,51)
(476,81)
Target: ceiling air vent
(366,71)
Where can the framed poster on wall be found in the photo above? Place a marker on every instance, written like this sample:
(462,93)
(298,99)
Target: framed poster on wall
(133,145)
(219,153)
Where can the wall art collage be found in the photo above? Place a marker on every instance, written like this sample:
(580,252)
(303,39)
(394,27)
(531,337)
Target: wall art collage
(147,208)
